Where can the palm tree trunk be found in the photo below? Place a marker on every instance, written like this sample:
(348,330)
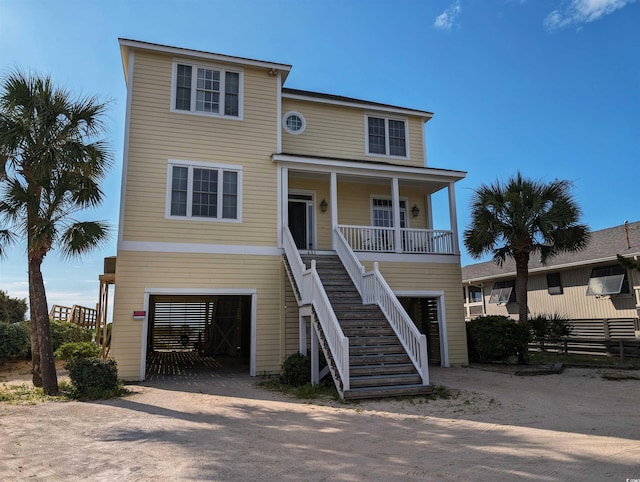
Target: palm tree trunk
(35,344)
(40,317)
(522,280)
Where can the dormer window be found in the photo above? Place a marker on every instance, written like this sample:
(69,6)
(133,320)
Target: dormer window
(206,90)
(386,136)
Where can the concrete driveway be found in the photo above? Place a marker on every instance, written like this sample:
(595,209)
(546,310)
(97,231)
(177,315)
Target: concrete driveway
(573,426)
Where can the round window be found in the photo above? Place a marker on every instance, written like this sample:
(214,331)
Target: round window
(294,123)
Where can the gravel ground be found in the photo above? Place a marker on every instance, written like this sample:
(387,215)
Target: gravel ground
(497,426)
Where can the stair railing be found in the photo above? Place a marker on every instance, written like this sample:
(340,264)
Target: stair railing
(374,289)
(312,292)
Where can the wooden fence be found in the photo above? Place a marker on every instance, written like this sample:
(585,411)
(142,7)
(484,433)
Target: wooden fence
(78,315)
(608,337)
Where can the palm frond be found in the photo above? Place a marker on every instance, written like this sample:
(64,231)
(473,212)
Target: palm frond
(81,237)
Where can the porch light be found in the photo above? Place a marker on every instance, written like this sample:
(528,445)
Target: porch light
(415,210)
(324,205)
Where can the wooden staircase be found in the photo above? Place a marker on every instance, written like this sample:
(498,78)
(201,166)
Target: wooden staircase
(378,363)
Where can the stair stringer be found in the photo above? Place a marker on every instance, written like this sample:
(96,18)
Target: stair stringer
(315,323)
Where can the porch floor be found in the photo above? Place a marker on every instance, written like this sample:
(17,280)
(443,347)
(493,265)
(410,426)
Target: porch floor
(170,365)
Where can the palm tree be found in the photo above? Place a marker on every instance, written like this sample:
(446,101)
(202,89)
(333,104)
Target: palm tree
(50,168)
(520,218)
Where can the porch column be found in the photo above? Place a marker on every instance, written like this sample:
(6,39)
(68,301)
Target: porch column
(284,201)
(395,192)
(333,205)
(453,218)
(315,357)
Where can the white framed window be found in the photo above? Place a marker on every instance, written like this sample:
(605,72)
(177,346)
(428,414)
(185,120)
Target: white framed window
(382,212)
(294,123)
(608,280)
(204,191)
(386,136)
(206,90)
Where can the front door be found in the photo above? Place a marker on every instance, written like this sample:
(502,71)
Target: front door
(301,220)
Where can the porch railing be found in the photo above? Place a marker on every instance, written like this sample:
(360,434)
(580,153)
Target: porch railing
(374,290)
(380,239)
(311,291)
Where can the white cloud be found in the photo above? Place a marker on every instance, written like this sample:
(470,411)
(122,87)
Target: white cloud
(577,12)
(447,19)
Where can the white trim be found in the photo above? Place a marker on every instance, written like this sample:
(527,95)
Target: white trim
(386,119)
(195,248)
(286,126)
(222,92)
(220,168)
(195,292)
(125,149)
(279,113)
(359,104)
(408,258)
(207,56)
(442,319)
(368,169)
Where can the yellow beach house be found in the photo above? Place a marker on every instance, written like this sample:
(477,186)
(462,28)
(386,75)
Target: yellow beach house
(257,221)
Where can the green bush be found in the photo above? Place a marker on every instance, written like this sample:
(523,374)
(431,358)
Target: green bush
(296,370)
(77,349)
(94,378)
(65,332)
(15,340)
(496,338)
(548,328)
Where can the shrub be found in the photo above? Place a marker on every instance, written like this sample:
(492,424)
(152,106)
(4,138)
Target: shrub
(496,338)
(15,340)
(296,370)
(77,349)
(549,328)
(94,378)
(65,332)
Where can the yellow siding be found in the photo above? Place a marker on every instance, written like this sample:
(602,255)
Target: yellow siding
(573,303)
(338,131)
(138,270)
(445,277)
(157,135)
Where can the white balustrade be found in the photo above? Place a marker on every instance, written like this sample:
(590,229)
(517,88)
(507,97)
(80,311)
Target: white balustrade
(381,240)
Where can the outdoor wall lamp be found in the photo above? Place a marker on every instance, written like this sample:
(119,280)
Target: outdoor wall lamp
(415,210)
(323,205)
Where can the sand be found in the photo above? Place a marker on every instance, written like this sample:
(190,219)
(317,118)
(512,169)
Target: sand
(497,426)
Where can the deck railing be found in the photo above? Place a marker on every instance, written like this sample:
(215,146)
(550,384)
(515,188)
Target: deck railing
(312,292)
(374,290)
(379,239)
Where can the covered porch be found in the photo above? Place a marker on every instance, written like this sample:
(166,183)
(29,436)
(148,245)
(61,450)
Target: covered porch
(381,210)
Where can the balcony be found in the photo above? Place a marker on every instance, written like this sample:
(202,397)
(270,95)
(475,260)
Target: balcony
(384,240)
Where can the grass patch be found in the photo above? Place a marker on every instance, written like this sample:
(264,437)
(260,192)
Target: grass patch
(307,391)
(27,394)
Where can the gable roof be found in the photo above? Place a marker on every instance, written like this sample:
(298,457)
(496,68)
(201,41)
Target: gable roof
(604,245)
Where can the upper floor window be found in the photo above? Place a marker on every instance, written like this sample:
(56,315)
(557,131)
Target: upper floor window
(294,123)
(608,280)
(386,137)
(197,190)
(382,212)
(206,90)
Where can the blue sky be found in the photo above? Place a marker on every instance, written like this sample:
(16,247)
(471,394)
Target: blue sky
(550,88)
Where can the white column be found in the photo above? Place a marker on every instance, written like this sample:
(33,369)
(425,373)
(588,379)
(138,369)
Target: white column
(395,192)
(333,204)
(315,352)
(302,323)
(284,198)
(453,216)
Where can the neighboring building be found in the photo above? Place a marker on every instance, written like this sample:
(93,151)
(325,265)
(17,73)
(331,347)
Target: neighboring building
(588,286)
(227,173)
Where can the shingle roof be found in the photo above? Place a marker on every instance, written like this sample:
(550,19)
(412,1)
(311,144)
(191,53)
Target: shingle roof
(603,246)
